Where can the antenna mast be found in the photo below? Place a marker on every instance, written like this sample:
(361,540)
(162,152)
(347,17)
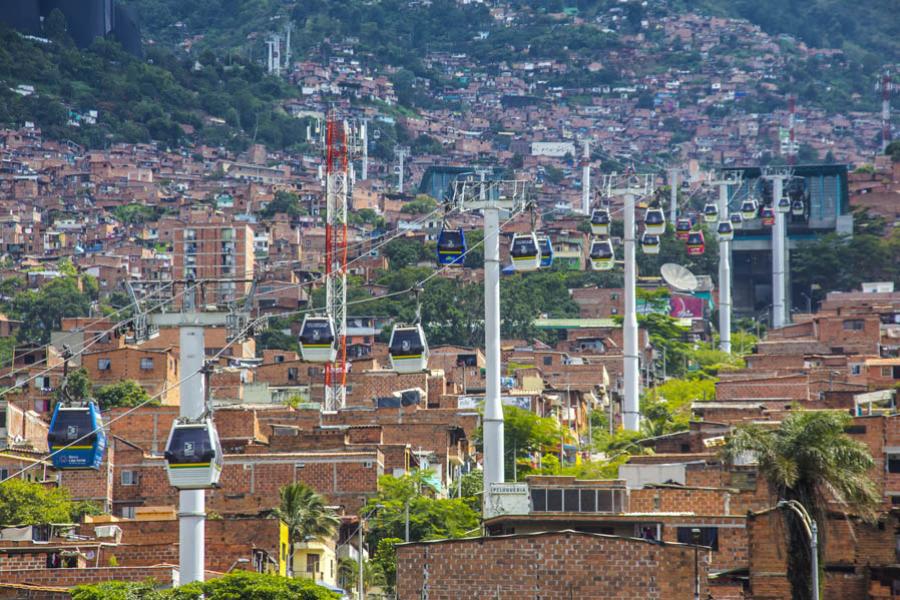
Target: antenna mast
(337,181)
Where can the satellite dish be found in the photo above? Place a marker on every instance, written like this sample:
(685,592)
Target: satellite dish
(678,277)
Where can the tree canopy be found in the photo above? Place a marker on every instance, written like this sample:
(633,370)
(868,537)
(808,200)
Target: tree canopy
(239,584)
(27,503)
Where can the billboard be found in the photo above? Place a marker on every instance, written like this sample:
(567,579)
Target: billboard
(684,306)
(552,149)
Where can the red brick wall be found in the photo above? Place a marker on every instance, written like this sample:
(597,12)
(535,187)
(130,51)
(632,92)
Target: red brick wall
(73,577)
(550,565)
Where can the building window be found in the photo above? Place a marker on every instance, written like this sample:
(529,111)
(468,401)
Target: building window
(709,536)
(854,325)
(312,563)
(856,369)
(127,512)
(548,360)
(4,474)
(279,358)
(292,374)
(103,364)
(146,364)
(129,477)
(3,417)
(893,463)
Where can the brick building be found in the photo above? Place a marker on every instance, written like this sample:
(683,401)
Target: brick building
(560,564)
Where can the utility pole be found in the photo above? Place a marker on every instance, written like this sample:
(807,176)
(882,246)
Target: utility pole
(364,143)
(723,179)
(402,152)
(491,197)
(630,185)
(778,175)
(586,178)
(886,89)
(673,196)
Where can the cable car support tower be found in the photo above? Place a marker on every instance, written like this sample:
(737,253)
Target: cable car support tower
(630,186)
(490,197)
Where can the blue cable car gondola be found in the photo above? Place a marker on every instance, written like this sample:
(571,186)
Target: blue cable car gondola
(451,247)
(76,437)
(546,247)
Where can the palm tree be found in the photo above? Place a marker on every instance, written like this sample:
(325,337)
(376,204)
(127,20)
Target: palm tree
(304,513)
(810,459)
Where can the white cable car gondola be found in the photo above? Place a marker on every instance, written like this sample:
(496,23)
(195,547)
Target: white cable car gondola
(798,208)
(784,205)
(737,220)
(650,243)
(408,349)
(194,455)
(525,252)
(654,221)
(600,221)
(603,257)
(725,231)
(317,339)
(710,212)
(748,209)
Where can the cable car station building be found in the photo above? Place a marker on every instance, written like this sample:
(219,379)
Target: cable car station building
(823,192)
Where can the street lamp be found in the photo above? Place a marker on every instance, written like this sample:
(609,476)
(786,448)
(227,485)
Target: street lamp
(812,531)
(362,522)
(240,561)
(695,538)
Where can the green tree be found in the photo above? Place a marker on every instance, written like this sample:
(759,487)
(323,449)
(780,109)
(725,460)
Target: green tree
(403,252)
(809,458)
(42,311)
(26,503)
(127,393)
(77,387)
(385,562)
(525,435)
(239,584)
(429,517)
(305,514)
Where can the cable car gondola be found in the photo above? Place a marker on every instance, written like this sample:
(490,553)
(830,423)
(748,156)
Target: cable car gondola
(784,205)
(602,256)
(546,248)
(194,455)
(737,221)
(696,244)
(76,437)
(451,247)
(525,253)
(748,209)
(650,243)
(600,221)
(654,221)
(682,228)
(710,212)
(725,231)
(768,216)
(798,209)
(317,339)
(408,349)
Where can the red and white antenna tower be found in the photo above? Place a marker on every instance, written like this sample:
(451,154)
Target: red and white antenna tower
(885,110)
(337,182)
